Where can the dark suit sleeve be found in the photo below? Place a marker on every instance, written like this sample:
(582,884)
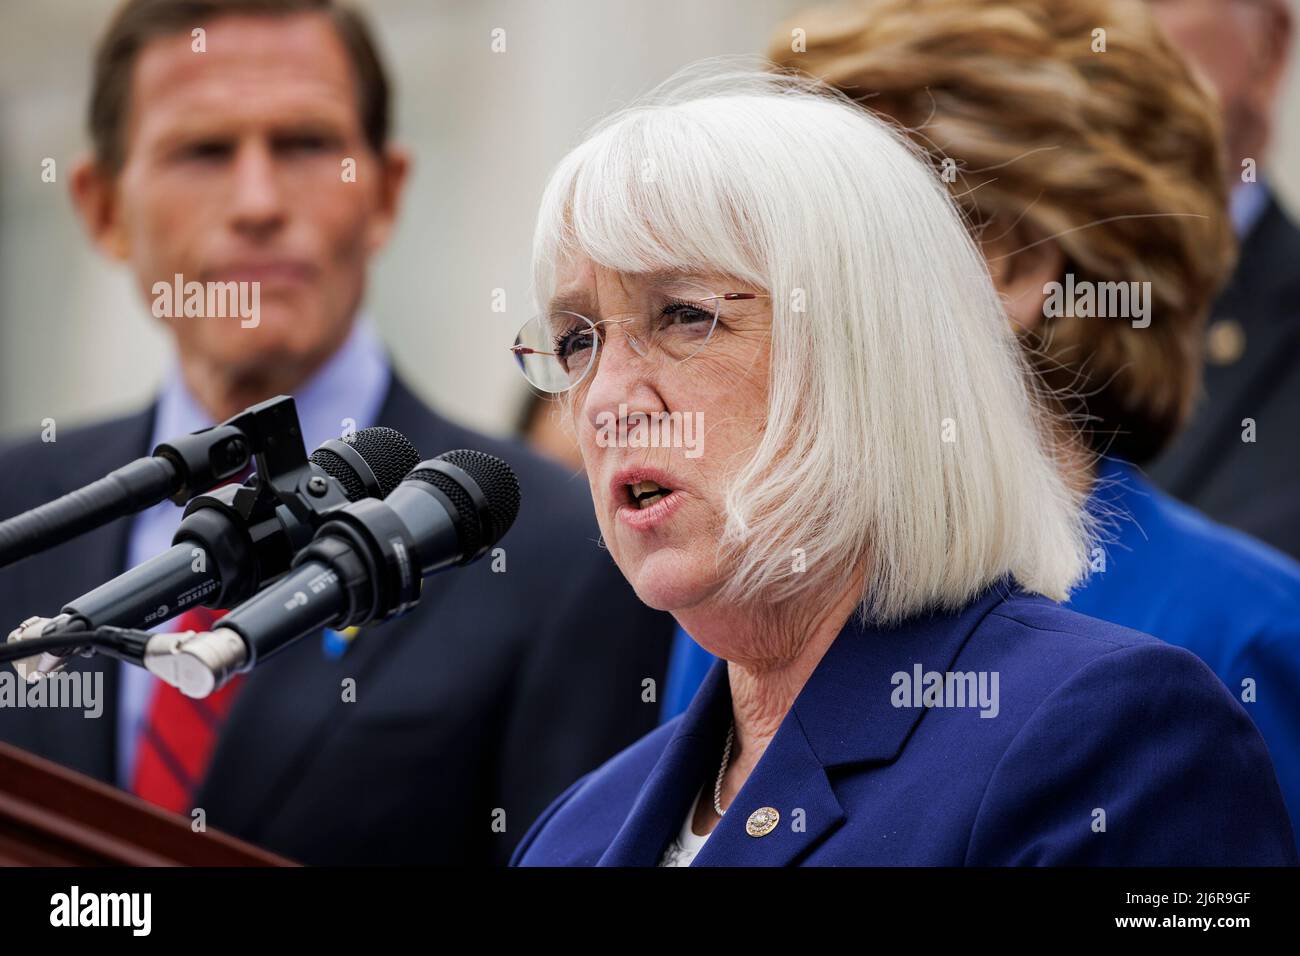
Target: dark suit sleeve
(578,699)
(1147,743)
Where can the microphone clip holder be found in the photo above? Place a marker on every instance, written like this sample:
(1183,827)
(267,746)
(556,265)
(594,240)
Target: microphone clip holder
(268,431)
(279,509)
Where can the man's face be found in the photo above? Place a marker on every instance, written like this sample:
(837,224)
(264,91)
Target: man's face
(234,171)
(1241,47)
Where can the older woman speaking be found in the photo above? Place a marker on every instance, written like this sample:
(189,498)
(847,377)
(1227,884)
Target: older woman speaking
(872,534)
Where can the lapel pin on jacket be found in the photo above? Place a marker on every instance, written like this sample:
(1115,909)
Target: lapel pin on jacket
(762,821)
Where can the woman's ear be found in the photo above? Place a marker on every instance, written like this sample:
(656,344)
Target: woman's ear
(1020,268)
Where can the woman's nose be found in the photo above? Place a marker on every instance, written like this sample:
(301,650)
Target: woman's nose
(621,382)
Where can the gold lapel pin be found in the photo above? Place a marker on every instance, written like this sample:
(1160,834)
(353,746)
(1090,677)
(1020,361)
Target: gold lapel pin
(762,821)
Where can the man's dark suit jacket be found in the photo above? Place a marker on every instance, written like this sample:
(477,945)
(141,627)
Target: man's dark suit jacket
(494,694)
(1252,486)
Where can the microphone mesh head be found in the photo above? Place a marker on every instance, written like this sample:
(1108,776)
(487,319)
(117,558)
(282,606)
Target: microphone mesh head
(387,452)
(495,479)
(499,484)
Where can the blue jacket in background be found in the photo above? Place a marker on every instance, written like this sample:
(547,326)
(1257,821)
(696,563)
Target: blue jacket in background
(1167,570)
(1101,746)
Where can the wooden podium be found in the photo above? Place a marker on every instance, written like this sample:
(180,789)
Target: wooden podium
(53,816)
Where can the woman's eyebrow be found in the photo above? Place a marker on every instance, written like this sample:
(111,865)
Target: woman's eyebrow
(656,281)
(671,277)
(570,302)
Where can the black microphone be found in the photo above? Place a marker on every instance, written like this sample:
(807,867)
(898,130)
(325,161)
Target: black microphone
(177,469)
(366,563)
(233,542)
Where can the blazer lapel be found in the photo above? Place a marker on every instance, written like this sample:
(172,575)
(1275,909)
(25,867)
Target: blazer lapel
(843,716)
(688,762)
(791,781)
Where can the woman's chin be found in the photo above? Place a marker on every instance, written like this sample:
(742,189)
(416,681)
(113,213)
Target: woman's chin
(664,581)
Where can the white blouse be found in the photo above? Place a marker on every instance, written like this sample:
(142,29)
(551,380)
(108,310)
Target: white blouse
(687,843)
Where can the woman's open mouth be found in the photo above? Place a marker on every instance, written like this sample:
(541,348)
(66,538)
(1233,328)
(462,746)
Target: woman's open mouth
(646,501)
(644,494)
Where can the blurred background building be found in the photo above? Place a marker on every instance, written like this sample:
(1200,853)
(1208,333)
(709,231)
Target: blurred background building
(76,340)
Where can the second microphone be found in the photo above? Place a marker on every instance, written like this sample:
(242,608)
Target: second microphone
(365,564)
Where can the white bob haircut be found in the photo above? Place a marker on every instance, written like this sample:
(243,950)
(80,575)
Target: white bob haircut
(904,445)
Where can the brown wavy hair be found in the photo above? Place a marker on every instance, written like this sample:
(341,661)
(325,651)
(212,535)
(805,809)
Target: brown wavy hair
(1115,156)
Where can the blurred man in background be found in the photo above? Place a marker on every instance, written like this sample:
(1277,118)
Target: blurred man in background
(246,141)
(1238,461)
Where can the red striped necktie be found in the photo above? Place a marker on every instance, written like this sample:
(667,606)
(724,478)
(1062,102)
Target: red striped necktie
(181,732)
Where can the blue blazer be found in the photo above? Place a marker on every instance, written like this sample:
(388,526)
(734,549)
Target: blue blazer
(1106,747)
(1167,570)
